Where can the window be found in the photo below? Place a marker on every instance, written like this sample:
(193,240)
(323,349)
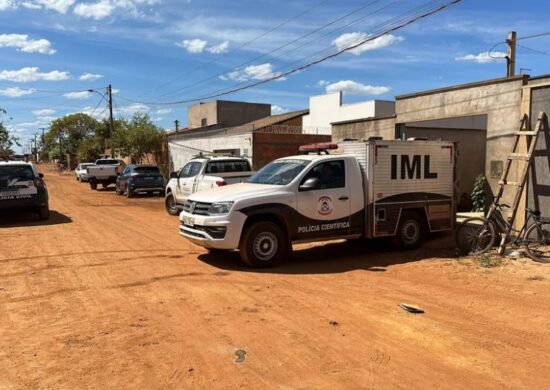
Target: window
(279,172)
(204,122)
(147,169)
(331,174)
(126,170)
(190,170)
(10,175)
(223,166)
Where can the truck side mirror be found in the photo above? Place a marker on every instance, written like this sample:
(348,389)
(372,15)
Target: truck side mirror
(173,175)
(310,184)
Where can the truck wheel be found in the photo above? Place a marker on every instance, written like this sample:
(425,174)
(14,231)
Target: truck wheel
(170,204)
(44,212)
(263,245)
(93,186)
(129,192)
(410,231)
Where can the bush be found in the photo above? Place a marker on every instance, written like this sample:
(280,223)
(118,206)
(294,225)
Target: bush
(479,193)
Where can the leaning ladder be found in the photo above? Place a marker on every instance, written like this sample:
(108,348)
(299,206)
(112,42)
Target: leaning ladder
(531,137)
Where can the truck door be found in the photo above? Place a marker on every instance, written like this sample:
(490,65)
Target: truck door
(325,210)
(186,180)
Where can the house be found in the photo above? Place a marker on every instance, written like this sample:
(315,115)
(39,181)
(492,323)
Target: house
(326,109)
(261,140)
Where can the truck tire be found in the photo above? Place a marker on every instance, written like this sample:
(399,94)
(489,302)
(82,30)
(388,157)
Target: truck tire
(264,245)
(44,213)
(129,192)
(93,186)
(170,204)
(410,231)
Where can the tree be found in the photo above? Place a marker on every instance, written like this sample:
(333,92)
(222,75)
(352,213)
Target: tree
(137,138)
(7,139)
(90,149)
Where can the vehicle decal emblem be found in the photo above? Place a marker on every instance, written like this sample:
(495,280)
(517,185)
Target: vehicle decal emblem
(324,205)
(192,207)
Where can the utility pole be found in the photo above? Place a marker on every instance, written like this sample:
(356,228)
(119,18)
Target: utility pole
(511,57)
(177,123)
(111,121)
(35,148)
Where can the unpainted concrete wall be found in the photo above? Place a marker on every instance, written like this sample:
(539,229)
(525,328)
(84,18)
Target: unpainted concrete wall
(198,111)
(238,113)
(499,99)
(364,129)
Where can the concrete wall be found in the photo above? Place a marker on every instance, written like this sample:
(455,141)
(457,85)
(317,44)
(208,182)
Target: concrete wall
(326,109)
(238,113)
(226,113)
(268,147)
(499,99)
(363,129)
(196,112)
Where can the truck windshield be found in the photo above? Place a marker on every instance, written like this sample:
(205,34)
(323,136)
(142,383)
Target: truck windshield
(280,172)
(107,162)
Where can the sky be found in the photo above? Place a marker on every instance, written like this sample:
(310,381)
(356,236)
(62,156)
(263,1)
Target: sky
(158,52)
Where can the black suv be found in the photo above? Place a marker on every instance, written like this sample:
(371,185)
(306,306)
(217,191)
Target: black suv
(21,187)
(140,179)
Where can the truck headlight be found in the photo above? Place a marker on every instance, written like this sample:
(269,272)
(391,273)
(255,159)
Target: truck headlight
(220,208)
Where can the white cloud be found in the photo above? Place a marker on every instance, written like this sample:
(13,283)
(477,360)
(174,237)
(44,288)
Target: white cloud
(193,45)
(90,76)
(16,92)
(323,83)
(6,4)
(133,108)
(30,5)
(220,48)
(482,58)
(61,6)
(350,39)
(164,111)
(351,87)
(97,11)
(28,74)
(252,72)
(22,43)
(44,112)
(276,110)
(82,95)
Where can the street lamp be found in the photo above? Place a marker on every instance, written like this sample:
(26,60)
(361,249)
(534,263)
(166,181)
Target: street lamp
(109,101)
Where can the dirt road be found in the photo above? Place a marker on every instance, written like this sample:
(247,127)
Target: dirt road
(107,295)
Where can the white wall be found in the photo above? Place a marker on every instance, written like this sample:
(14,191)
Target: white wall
(326,109)
(183,150)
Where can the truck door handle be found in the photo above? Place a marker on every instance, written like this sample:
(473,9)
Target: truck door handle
(343,198)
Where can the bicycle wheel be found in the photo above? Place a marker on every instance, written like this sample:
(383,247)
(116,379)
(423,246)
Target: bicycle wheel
(537,242)
(475,236)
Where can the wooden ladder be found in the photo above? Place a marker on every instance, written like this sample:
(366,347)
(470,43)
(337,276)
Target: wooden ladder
(531,137)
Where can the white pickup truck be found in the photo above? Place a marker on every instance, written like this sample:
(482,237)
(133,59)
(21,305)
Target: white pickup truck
(204,173)
(399,189)
(105,171)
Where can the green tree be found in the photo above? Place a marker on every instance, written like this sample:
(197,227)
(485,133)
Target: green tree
(137,138)
(7,139)
(90,149)
(479,193)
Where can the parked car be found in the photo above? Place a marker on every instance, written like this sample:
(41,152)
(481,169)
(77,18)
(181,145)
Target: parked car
(140,179)
(23,188)
(81,171)
(105,171)
(398,189)
(203,173)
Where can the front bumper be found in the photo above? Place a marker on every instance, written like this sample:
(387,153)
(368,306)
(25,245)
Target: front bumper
(139,188)
(203,229)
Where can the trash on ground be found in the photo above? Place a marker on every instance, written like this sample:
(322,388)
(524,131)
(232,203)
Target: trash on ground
(240,355)
(411,308)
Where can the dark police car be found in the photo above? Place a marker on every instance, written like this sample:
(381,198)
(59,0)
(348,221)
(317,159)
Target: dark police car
(23,188)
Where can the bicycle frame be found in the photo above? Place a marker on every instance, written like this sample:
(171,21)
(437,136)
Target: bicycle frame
(513,236)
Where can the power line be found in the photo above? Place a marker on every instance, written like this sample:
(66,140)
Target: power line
(543,34)
(278,48)
(244,44)
(534,50)
(319,60)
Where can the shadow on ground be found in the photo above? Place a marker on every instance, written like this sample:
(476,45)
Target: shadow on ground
(13,218)
(338,257)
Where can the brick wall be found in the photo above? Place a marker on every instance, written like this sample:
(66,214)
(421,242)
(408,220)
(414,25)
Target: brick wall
(268,147)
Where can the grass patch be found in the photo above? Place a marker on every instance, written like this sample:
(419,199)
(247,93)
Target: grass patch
(536,277)
(488,261)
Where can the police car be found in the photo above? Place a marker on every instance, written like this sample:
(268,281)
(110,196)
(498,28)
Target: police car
(23,188)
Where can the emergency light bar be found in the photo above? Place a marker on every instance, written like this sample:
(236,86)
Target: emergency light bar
(317,148)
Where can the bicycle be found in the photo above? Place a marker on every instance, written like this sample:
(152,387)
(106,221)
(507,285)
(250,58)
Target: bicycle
(476,235)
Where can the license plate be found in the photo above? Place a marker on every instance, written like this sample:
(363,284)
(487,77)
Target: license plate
(188,221)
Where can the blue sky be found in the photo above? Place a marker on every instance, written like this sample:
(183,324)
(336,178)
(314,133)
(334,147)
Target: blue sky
(159,51)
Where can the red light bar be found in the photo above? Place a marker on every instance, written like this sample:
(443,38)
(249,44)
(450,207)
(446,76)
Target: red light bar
(318,147)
